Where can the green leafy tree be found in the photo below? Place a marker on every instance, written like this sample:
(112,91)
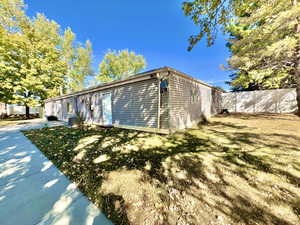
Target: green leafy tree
(30,63)
(241,79)
(83,64)
(31,68)
(12,14)
(268,50)
(118,65)
(36,61)
(78,60)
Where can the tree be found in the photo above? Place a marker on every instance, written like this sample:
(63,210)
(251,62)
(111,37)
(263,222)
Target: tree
(78,60)
(240,79)
(83,65)
(12,14)
(31,68)
(35,59)
(30,61)
(269,47)
(118,65)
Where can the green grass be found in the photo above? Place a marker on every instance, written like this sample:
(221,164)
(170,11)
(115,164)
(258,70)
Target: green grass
(239,169)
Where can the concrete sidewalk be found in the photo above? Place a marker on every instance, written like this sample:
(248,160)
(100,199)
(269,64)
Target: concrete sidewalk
(33,191)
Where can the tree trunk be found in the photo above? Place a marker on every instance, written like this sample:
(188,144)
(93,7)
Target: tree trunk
(297,64)
(27,111)
(297,73)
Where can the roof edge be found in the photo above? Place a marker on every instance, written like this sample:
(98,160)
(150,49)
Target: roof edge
(191,78)
(132,79)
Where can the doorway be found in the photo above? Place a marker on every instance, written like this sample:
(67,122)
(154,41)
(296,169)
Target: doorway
(106,109)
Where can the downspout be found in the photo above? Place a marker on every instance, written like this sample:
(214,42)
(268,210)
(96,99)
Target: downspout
(159,101)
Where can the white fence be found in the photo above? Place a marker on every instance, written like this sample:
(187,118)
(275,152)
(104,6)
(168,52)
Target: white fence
(273,101)
(11,109)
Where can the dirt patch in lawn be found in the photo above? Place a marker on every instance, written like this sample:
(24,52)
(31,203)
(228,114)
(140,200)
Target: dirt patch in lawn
(237,169)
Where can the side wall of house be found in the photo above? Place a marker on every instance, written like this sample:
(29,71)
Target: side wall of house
(49,108)
(189,102)
(273,101)
(134,104)
(216,104)
(59,108)
(164,107)
(53,108)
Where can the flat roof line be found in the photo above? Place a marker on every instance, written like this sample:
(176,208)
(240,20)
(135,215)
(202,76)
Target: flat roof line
(134,78)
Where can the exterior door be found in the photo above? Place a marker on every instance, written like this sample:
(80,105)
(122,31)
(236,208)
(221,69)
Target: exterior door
(106,108)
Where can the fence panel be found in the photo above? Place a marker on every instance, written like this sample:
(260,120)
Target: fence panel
(273,101)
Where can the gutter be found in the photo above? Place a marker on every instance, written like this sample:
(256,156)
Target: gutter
(133,79)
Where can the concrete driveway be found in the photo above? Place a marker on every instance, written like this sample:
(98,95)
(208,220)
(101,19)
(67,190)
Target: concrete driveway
(33,191)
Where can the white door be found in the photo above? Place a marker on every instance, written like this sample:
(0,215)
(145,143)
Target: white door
(106,109)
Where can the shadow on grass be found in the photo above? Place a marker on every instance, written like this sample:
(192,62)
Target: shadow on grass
(183,149)
(266,116)
(115,208)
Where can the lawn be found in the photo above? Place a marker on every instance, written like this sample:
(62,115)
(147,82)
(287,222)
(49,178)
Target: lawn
(236,169)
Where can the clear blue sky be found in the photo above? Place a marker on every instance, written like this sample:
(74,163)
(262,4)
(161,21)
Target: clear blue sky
(156,29)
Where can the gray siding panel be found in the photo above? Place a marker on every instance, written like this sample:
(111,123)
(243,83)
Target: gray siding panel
(216,104)
(96,107)
(59,109)
(65,113)
(136,104)
(189,102)
(135,101)
(84,103)
(49,108)
(164,110)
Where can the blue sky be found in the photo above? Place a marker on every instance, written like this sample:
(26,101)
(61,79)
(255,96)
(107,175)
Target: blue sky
(156,29)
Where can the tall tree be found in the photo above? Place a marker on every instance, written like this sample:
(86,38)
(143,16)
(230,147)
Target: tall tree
(12,14)
(78,59)
(30,67)
(269,47)
(83,64)
(118,65)
(241,80)
(35,59)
